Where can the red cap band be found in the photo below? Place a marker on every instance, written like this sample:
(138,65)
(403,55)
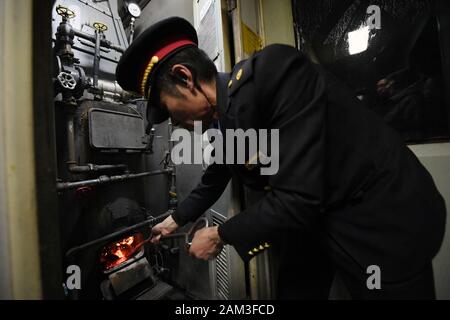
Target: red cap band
(164,51)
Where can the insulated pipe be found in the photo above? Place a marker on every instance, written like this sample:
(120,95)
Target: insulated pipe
(112,89)
(108,179)
(110,86)
(116,234)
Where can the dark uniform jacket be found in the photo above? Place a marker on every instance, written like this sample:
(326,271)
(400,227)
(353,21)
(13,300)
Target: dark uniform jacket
(343,173)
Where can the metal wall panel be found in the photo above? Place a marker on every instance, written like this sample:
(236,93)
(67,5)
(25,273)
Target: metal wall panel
(436,158)
(86,13)
(18,209)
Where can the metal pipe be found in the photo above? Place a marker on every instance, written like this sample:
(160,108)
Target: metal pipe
(92,53)
(116,234)
(116,48)
(83,35)
(173,197)
(103,43)
(132,27)
(87,51)
(89,167)
(96,57)
(108,179)
(70,131)
(90,45)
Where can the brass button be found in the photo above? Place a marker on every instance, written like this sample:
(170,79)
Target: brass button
(230,83)
(239,74)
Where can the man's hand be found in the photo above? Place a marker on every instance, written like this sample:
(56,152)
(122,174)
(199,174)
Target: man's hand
(162,229)
(206,244)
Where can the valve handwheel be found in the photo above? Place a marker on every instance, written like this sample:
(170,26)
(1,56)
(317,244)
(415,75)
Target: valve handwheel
(100,26)
(65,12)
(67,81)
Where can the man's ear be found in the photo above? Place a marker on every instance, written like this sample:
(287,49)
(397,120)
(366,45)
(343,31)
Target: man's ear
(183,76)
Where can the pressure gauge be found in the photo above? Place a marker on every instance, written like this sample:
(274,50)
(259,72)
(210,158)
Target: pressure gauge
(134,10)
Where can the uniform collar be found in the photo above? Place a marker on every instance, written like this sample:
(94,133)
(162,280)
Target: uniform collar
(222,80)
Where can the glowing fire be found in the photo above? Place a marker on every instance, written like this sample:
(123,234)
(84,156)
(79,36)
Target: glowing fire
(118,252)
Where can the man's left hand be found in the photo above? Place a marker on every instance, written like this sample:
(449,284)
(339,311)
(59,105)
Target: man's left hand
(206,244)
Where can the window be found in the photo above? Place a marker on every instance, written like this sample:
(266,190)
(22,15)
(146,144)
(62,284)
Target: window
(392,58)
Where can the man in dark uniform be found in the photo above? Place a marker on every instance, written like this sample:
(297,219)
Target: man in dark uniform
(349,196)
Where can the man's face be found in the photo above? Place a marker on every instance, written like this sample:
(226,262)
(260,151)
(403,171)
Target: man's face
(192,104)
(192,107)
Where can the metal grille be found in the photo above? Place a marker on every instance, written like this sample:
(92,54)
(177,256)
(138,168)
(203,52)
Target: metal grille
(221,267)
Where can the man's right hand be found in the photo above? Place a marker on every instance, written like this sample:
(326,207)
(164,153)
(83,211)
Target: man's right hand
(162,229)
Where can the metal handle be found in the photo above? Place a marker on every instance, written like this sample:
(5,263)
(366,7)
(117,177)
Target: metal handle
(199,224)
(188,236)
